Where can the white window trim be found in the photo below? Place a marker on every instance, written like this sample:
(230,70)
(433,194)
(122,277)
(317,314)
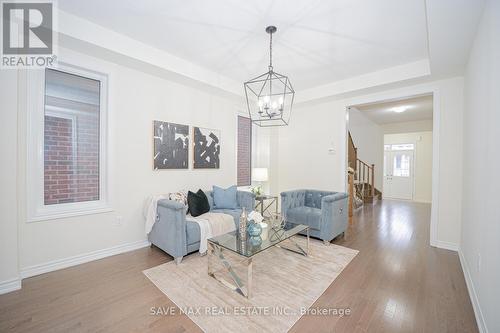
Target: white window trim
(37,210)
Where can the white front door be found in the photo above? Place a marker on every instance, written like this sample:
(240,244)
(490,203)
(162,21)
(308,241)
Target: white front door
(398,174)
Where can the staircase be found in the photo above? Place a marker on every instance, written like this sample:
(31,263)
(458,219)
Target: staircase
(363,176)
(365,192)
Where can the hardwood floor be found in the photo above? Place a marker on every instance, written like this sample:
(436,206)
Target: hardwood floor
(397,283)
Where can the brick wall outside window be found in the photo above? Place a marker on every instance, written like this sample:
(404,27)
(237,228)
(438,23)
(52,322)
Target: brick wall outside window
(71,160)
(244,173)
(58,160)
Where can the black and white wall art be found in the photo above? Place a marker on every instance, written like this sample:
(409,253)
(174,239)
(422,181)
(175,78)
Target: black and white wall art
(171,145)
(206,148)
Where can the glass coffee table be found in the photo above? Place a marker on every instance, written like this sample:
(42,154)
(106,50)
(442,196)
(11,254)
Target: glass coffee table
(222,247)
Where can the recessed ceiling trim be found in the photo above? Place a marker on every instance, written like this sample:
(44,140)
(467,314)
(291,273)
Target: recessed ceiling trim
(89,32)
(92,33)
(409,71)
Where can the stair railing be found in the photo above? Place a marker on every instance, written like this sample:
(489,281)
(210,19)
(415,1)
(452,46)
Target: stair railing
(366,175)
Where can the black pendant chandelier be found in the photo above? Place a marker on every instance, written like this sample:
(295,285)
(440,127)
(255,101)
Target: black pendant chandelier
(270,95)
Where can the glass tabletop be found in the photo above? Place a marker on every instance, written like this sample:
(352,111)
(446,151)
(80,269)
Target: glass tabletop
(251,246)
(265,197)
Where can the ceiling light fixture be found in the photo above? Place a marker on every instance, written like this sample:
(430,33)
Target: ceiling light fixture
(270,95)
(399,109)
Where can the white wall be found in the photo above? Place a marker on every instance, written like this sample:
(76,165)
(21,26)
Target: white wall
(305,161)
(422,191)
(480,239)
(135,100)
(302,149)
(368,138)
(262,153)
(9,273)
(449,173)
(408,127)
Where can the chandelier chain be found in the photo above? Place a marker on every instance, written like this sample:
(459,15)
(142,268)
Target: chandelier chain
(271,51)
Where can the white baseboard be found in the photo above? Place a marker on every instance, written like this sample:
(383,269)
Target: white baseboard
(445,245)
(10,285)
(423,201)
(481,324)
(80,259)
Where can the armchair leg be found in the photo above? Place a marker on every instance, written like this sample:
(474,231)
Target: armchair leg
(178,260)
(326,242)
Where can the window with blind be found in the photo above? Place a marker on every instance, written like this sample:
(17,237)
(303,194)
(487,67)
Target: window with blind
(71,136)
(244,172)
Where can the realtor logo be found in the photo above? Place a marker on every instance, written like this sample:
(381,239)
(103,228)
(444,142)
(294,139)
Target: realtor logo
(27,34)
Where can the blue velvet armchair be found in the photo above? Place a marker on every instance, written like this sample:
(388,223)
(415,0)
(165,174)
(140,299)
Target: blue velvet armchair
(324,212)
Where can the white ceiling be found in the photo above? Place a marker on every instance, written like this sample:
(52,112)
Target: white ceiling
(317,42)
(452,26)
(418,108)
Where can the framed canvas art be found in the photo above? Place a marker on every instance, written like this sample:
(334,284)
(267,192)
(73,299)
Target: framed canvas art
(171,145)
(206,148)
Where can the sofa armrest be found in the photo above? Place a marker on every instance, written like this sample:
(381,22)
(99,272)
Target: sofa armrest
(169,231)
(292,199)
(246,199)
(171,204)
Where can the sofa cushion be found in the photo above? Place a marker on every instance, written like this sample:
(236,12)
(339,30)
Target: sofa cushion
(192,232)
(225,198)
(198,203)
(305,215)
(235,213)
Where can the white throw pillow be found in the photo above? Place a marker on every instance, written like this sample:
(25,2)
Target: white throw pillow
(180,196)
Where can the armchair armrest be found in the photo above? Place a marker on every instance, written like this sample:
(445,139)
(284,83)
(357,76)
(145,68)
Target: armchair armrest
(246,199)
(333,197)
(333,215)
(169,231)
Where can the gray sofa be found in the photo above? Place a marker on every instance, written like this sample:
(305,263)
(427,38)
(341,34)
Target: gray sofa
(324,212)
(178,237)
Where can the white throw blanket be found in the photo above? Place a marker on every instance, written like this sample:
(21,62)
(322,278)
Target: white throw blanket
(149,211)
(212,225)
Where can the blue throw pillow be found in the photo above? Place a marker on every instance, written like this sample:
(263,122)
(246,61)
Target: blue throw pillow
(225,198)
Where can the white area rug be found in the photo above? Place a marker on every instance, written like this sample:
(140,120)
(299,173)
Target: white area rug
(284,285)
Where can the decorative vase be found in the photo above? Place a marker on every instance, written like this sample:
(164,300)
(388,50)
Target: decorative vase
(255,241)
(242,230)
(242,246)
(254,229)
